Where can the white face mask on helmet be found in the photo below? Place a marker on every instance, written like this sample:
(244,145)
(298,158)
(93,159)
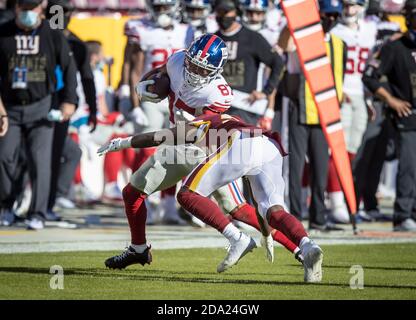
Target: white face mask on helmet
(254,26)
(195,20)
(163,18)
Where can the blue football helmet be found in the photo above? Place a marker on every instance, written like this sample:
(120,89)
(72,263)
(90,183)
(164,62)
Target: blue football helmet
(195,12)
(330,6)
(250,7)
(359,2)
(204,60)
(163,12)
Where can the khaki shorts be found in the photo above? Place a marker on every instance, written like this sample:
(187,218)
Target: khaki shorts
(170,164)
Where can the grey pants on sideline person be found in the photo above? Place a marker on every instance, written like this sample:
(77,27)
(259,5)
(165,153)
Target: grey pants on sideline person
(307,140)
(368,163)
(28,123)
(405,204)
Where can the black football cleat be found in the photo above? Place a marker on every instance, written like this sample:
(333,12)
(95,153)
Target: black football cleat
(128,257)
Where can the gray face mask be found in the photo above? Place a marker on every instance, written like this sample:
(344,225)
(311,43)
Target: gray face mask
(225,22)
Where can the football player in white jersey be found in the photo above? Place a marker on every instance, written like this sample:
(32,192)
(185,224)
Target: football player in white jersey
(151,40)
(197,13)
(196,87)
(360,38)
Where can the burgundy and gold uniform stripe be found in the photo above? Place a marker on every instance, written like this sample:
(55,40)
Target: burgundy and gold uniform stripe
(195,178)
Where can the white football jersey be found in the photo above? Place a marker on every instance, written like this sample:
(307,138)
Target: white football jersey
(187,102)
(157,43)
(271,35)
(275,19)
(359,44)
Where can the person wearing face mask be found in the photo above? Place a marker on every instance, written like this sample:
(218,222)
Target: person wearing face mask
(306,138)
(29,53)
(255,18)
(397,63)
(80,54)
(247,49)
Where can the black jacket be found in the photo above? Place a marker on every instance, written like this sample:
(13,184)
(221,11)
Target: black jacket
(38,52)
(246,50)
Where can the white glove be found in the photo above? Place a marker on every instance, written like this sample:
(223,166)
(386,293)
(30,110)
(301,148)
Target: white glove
(139,117)
(115,145)
(144,95)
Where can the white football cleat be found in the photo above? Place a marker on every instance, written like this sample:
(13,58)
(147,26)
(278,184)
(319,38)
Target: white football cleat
(267,243)
(312,263)
(237,250)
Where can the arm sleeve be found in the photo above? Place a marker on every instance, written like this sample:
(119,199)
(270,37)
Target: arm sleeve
(66,60)
(271,59)
(377,67)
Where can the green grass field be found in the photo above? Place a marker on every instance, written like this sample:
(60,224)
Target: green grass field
(389,273)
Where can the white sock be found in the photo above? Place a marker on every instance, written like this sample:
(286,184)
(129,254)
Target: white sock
(296,250)
(304,241)
(232,233)
(139,248)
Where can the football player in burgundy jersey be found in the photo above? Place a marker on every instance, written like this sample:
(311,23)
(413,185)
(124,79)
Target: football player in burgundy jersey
(238,150)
